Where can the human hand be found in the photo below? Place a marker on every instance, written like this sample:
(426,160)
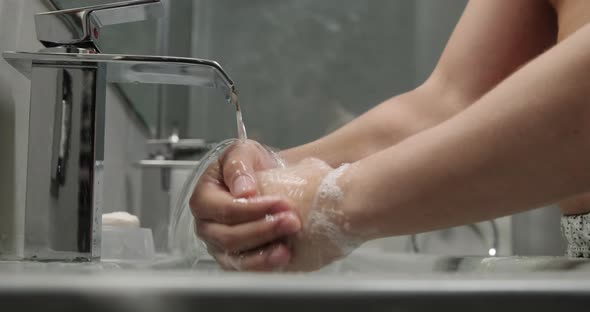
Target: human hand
(315,191)
(231,221)
(310,188)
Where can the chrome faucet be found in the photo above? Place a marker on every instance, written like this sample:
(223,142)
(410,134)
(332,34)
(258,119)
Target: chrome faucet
(67,117)
(81,26)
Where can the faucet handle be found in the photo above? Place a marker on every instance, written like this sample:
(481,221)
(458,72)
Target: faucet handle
(81,26)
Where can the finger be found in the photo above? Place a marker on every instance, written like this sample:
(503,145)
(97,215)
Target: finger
(219,206)
(238,169)
(247,236)
(241,162)
(270,258)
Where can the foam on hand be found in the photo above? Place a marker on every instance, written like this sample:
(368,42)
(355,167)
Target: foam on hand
(328,221)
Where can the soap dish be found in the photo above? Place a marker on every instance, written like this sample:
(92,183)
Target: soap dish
(127,244)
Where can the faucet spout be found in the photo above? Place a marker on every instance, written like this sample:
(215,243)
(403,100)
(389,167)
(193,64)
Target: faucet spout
(136,68)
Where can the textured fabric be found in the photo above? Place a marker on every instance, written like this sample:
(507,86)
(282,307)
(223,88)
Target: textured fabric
(576,229)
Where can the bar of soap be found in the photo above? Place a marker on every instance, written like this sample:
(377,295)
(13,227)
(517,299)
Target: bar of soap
(120,219)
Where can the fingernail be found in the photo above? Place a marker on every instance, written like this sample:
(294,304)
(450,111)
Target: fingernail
(242,185)
(279,257)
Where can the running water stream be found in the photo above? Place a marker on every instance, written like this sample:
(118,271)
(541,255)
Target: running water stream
(242,135)
(181,230)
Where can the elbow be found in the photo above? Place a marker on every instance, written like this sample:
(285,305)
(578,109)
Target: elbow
(450,96)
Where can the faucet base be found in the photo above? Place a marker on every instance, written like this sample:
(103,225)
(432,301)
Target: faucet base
(65,157)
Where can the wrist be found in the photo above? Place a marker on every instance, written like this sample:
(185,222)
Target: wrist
(331,215)
(355,206)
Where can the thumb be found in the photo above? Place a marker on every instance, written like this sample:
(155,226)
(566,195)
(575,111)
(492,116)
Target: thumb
(238,172)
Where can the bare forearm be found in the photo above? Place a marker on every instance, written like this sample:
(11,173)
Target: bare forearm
(385,125)
(453,85)
(524,144)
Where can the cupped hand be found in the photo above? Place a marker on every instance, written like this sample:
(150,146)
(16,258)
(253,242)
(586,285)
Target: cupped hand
(312,190)
(232,217)
(257,216)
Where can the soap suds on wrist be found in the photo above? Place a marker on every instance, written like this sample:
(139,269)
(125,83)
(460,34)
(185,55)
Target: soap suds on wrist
(324,219)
